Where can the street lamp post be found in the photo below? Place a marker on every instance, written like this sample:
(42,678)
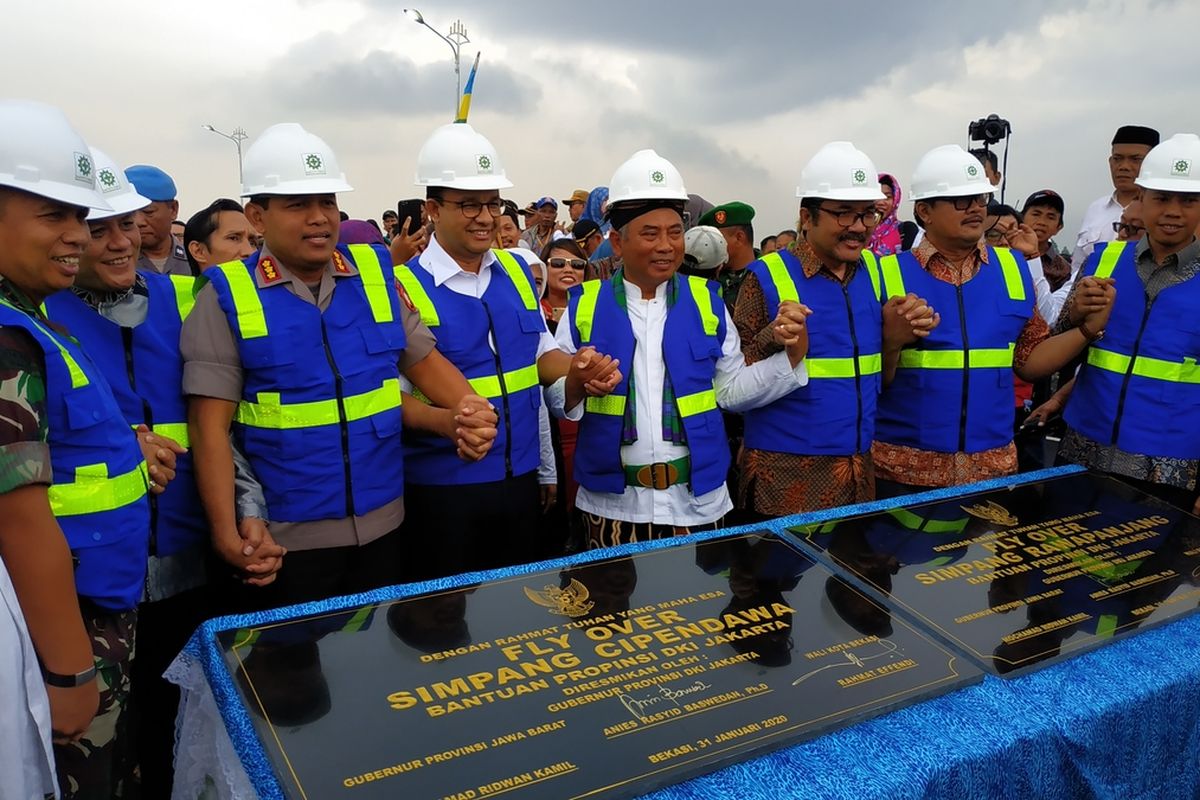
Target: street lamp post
(456,39)
(238,136)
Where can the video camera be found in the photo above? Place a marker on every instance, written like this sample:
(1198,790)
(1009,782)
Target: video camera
(989,130)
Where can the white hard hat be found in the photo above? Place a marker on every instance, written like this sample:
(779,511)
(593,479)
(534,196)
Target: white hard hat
(1173,166)
(42,154)
(706,247)
(840,171)
(646,176)
(288,160)
(455,156)
(948,171)
(115,188)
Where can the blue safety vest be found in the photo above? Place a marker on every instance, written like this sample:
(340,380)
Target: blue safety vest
(145,370)
(508,317)
(99,484)
(691,348)
(319,419)
(835,413)
(1139,388)
(953,392)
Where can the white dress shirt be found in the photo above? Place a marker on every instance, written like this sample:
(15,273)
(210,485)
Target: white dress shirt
(1096,228)
(738,388)
(26,760)
(447,272)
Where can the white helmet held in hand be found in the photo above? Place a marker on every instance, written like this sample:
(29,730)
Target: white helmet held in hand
(288,160)
(646,176)
(840,171)
(949,171)
(705,247)
(455,156)
(115,188)
(42,154)
(1172,166)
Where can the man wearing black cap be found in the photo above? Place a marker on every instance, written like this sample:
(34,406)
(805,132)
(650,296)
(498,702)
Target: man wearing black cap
(1129,146)
(587,235)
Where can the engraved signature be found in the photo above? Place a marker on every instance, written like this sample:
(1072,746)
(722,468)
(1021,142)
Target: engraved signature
(852,660)
(665,695)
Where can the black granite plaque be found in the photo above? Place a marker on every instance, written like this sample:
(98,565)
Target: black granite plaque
(1023,576)
(602,680)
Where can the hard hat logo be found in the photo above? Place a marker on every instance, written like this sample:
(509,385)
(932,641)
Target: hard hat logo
(657,177)
(859,177)
(972,171)
(1182,167)
(313,164)
(485,165)
(108,181)
(83,168)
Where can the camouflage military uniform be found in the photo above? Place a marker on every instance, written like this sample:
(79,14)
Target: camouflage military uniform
(93,768)
(731,284)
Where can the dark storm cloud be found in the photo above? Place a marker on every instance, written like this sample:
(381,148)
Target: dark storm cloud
(330,77)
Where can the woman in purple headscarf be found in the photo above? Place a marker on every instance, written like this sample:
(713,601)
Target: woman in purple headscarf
(886,239)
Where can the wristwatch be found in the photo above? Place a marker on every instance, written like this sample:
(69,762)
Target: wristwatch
(69,681)
(1091,337)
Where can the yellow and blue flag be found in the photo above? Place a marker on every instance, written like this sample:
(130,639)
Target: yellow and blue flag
(465,105)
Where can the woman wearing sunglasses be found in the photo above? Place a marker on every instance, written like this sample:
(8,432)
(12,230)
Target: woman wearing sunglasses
(565,263)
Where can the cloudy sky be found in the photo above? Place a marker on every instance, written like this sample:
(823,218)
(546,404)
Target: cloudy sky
(738,99)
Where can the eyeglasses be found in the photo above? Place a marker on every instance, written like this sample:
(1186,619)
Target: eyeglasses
(471,209)
(997,234)
(964,203)
(1129,230)
(563,263)
(848,218)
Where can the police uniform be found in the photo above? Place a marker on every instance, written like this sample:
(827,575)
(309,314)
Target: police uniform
(489,324)
(176,262)
(318,417)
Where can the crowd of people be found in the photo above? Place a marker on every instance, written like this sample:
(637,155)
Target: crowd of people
(269,403)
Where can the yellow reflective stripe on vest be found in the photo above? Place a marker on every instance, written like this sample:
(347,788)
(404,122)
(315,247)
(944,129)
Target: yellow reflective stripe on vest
(699,287)
(519,278)
(247,306)
(78,378)
(869,364)
(185,293)
(175,431)
(612,405)
(1012,273)
(514,381)
(953,359)
(1108,259)
(418,296)
(785,287)
(893,281)
(585,312)
(370,271)
(698,403)
(872,265)
(915,523)
(1146,367)
(270,413)
(94,491)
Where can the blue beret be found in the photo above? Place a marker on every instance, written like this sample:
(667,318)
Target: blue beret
(151,182)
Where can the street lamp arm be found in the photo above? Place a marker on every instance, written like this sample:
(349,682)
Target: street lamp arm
(446,39)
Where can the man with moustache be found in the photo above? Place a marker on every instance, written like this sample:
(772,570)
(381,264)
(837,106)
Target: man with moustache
(1135,409)
(812,448)
(300,349)
(482,305)
(162,250)
(652,457)
(129,323)
(946,418)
